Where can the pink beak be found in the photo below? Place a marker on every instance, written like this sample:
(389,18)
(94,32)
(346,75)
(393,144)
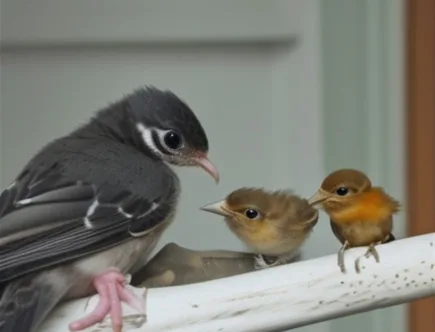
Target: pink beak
(205,164)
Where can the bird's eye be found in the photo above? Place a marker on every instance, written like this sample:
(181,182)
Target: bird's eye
(342,191)
(251,213)
(173,140)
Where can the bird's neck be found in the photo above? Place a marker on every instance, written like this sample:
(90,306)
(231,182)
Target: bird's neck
(373,205)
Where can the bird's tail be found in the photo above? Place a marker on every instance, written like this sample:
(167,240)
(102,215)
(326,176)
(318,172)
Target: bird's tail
(390,238)
(26,302)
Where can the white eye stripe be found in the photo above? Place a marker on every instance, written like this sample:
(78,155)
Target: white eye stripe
(147,137)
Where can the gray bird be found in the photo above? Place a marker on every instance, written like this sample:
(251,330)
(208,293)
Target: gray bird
(89,205)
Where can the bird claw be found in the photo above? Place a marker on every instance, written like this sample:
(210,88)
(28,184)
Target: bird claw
(111,287)
(371,251)
(127,279)
(264,262)
(342,267)
(260,263)
(357,263)
(340,258)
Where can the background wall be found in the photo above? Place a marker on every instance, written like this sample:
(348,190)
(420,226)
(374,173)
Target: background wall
(287,91)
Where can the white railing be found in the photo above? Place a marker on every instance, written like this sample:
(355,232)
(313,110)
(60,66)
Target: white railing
(283,297)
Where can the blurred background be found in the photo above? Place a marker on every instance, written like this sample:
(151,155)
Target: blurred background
(287,90)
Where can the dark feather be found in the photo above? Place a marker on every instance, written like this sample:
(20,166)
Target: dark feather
(390,238)
(26,302)
(66,204)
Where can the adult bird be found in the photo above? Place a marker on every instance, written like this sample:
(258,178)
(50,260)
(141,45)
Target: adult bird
(90,204)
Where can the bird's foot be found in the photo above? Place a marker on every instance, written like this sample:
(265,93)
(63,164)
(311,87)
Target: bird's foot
(262,262)
(110,286)
(340,258)
(371,251)
(357,265)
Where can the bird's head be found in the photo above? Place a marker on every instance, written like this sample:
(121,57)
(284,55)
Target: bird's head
(339,188)
(261,217)
(166,128)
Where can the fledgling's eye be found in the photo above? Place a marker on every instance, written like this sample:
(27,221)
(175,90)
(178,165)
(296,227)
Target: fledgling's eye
(251,214)
(342,191)
(173,140)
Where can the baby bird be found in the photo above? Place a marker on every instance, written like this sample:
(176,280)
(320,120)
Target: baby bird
(360,215)
(273,224)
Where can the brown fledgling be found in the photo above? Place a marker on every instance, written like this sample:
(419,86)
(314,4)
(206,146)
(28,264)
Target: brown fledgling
(273,224)
(360,215)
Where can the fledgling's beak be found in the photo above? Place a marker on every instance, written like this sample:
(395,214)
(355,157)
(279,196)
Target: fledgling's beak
(318,198)
(217,208)
(207,166)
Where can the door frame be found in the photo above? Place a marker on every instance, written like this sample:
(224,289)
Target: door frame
(420,127)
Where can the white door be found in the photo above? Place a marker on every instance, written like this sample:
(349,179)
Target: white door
(250,69)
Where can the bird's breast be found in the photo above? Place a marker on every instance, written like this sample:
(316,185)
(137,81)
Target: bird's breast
(277,248)
(361,233)
(369,207)
(273,243)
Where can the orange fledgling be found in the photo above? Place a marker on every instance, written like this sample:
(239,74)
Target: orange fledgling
(360,215)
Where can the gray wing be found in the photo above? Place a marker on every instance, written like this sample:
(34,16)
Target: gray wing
(46,219)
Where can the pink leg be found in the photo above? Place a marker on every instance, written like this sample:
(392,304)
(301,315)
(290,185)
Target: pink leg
(110,285)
